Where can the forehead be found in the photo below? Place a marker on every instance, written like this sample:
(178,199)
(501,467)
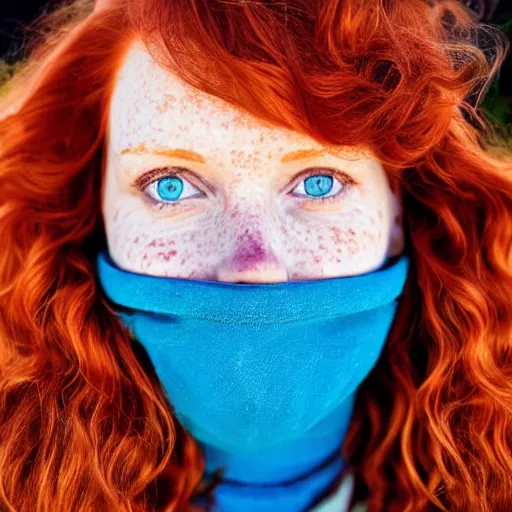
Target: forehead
(152,105)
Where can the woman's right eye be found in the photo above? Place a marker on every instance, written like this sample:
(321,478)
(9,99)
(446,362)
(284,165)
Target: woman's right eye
(170,188)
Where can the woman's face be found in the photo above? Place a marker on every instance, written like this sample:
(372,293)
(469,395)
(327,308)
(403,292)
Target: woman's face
(196,188)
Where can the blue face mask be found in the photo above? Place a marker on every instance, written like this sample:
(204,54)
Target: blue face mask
(251,366)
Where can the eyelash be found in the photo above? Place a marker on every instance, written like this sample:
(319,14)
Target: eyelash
(164,172)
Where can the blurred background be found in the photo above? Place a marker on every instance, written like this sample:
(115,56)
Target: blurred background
(15,16)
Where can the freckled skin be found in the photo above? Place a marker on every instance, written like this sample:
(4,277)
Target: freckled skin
(250,226)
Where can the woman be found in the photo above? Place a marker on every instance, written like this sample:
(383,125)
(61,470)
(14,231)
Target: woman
(210,300)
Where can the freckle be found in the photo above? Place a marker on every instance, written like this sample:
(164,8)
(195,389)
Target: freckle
(353,247)
(338,260)
(145,257)
(321,247)
(163,106)
(136,241)
(251,254)
(337,235)
(318,259)
(380,213)
(351,232)
(167,256)
(153,243)
(236,120)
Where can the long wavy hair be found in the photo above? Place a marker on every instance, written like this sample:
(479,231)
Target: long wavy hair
(84,422)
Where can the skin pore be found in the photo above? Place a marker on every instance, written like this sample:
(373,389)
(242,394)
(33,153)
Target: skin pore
(234,199)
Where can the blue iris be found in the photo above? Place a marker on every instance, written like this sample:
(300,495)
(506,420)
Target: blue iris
(318,185)
(170,188)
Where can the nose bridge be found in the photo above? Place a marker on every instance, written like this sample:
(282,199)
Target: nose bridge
(249,210)
(252,252)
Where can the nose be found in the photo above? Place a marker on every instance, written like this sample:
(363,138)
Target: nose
(255,275)
(252,262)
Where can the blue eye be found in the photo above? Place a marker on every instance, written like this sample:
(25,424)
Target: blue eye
(169,189)
(316,186)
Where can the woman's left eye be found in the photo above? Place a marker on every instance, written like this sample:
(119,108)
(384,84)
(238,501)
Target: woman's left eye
(318,184)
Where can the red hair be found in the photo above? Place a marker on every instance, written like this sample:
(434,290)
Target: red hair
(84,423)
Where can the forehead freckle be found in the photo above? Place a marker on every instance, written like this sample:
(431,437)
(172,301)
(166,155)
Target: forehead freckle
(241,158)
(166,103)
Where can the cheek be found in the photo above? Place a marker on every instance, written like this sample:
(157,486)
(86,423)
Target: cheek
(328,247)
(138,244)
(334,248)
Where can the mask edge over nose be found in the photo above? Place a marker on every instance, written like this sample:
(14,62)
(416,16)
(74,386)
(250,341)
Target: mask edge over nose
(253,303)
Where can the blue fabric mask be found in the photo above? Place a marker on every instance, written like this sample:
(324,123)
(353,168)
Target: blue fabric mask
(248,367)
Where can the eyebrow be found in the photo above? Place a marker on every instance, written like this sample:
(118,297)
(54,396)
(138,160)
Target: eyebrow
(185,154)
